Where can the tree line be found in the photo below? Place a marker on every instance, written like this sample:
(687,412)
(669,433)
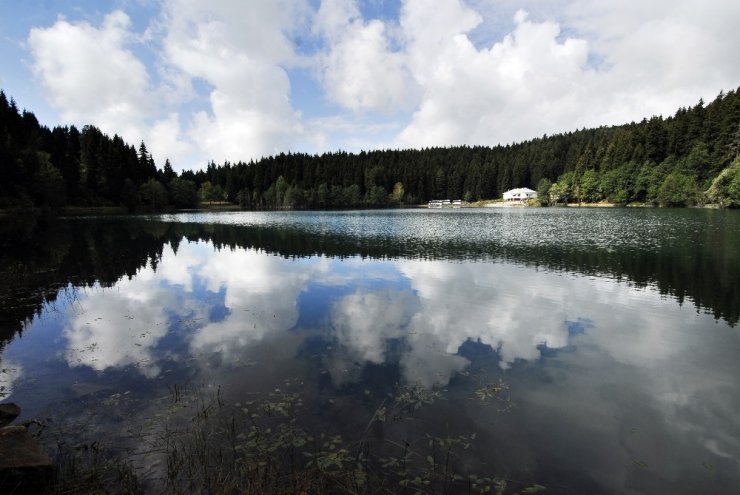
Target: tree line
(689,158)
(49,169)
(686,159)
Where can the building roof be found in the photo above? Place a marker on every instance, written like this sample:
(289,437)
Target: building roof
(520,190)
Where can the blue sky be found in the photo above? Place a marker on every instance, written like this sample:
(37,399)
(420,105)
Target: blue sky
(238,80)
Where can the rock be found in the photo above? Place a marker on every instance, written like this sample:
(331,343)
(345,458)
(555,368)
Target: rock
(24,467)
(8,412)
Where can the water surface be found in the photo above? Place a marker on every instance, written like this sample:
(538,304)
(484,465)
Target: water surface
(615,330)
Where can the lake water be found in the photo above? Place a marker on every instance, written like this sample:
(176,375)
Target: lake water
(586,350)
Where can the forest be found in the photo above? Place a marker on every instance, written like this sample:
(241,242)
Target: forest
(689,158)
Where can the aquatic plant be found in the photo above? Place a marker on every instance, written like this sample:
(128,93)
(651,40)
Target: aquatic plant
(198,442)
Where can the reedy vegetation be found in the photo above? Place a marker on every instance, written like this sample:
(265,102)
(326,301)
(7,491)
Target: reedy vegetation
(198,444)
(689,158)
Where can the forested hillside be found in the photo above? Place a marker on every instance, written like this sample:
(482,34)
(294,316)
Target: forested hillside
(670,161)
(64,166)
(688,158)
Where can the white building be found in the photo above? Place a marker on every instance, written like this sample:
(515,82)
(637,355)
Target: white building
(520,194)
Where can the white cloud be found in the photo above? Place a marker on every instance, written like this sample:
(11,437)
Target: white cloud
(90,73)
(178,269)
(658,55)
(365,321)
(526,84)
(241,50)
(359,70)
(449,304)
(654,57)
(212,80)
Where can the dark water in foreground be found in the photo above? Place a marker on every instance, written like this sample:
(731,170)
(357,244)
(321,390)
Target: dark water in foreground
(615,330)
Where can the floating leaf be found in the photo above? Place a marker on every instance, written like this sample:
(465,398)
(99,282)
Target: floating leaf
(534,489)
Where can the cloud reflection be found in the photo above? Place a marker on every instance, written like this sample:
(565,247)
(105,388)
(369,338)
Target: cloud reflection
(363,323)
(447,304)
(10,372)
(503,306)
(119,326)
(122,325)
(261,295)
(431,307)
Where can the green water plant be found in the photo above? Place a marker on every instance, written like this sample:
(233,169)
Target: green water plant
(202,443)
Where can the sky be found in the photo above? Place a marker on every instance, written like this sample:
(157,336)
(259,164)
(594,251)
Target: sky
(238,80)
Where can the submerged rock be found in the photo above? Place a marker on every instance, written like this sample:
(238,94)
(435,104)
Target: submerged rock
(24,467)
(8,412)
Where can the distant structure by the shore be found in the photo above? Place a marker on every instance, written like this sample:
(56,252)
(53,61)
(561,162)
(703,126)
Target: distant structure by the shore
(521,194)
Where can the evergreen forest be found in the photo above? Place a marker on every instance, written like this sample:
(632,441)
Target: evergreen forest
(689,158)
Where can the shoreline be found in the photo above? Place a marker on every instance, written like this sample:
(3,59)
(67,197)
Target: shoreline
(79,211)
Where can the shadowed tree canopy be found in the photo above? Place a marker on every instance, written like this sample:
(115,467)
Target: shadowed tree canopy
(621,164)
(679,160)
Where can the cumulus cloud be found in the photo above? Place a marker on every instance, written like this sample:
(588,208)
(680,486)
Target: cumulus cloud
(240,49)
(92,76)
(498,94)
(659,55)
(219,81)
(179,269)
(577,63)
(363,323)
(90,71)
(615,64)
(359,69)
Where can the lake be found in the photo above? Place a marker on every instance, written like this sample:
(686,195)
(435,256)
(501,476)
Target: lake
(585,350)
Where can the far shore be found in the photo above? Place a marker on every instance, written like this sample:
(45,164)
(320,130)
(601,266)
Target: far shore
(76,211)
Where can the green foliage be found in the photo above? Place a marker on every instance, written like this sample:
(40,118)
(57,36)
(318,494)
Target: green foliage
(725,188)
(616,184)
(678,190)
(130,197)
(183,193)
(562,190)
(396,196)
(52,168)
(323,195)
(153,195)
(48,187)
(209,192)
(353,196)
(619,164)
(376,196)
(543,191)
(590,190)
(294,198)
